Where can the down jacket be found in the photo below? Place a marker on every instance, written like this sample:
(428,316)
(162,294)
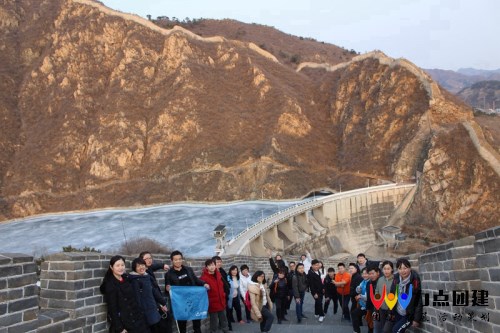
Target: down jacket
(123,310)
(216,295)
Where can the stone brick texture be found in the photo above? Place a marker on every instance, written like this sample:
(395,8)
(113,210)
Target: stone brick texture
(69,300)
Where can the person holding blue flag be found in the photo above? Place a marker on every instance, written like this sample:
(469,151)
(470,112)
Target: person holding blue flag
(181,275)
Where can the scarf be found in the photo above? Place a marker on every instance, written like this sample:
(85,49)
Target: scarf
(402,289)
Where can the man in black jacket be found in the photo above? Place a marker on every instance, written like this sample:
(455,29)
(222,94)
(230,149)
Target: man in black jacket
(151,265)
(363,262)
(330,291)
(316,287)
(181,275)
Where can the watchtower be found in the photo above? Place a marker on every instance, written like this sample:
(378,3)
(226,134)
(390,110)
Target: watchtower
(219,235)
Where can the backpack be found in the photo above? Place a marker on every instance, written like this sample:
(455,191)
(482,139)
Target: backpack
(248,303)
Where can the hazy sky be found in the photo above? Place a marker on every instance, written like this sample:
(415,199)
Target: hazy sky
(448,34)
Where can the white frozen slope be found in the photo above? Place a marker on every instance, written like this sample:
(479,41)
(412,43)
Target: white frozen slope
(186,227)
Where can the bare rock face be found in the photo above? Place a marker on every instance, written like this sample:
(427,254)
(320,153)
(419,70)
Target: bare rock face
(459,191)
(111,110)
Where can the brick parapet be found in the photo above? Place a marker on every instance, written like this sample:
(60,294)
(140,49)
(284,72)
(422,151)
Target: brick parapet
(469,264)
(18,293)
(70,299)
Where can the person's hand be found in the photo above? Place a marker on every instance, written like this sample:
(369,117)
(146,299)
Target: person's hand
(269,253)
(415,324)
(357,297)
(164,308)
(288,297)
(167,288)
(166,267)
(327,299)
(297,300)
(207,286)
(315,296)
(124,331)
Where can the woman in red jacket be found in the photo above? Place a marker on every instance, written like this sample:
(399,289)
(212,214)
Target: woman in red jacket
(216,297)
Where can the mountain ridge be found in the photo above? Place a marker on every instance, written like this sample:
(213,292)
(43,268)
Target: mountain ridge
(112,113)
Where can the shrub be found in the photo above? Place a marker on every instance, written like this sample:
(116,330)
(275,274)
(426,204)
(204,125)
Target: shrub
(137,245)
(70,248)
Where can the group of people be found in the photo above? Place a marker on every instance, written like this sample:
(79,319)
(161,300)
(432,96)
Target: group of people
(353,289)
(136,302)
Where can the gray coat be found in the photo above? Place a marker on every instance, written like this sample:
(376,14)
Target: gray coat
(299,284)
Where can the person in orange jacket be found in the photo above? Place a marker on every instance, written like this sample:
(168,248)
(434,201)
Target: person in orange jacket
(343,284)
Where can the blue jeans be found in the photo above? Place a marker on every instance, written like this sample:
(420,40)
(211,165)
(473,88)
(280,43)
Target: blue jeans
(401,324)
(298,306)
(267,319)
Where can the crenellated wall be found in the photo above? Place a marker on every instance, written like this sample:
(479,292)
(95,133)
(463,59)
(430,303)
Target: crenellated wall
(468,264)
(70,300)
(18,293)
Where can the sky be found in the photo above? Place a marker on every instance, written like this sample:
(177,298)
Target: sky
(447,34)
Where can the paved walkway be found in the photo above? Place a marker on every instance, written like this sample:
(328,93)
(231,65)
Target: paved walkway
(331,324)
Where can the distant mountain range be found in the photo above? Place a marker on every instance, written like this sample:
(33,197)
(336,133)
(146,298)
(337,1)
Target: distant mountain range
(455,81)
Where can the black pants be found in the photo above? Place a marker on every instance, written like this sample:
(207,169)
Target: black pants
(335,301)
(163,326)
(318,306)
(357,318)
(291,298)
(196,326)
(281,304)
(247,312)
(236,305)
(345,306)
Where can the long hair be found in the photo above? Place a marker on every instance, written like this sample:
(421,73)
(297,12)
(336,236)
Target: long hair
(109,272)
(237,271)
(257,274)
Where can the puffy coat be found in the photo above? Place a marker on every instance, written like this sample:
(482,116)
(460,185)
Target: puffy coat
(148,296)
(123,310)
(216,295)
(256,300)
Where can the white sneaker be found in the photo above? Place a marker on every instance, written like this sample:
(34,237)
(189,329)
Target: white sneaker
(321,319)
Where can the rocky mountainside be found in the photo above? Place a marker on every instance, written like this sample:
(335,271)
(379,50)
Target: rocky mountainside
(482,95)
(103,109)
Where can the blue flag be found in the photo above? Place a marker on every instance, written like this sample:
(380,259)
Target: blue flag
(189,303)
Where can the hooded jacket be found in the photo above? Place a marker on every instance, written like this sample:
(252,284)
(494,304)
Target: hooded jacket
(216,295)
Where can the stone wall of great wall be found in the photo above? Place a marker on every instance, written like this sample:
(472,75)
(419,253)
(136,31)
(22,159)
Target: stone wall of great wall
(68,298)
